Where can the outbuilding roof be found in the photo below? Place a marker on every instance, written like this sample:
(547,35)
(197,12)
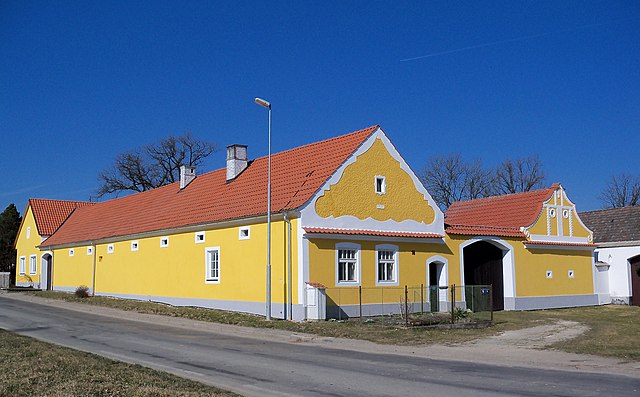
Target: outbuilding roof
(296,175)
(497,215)
(50,214)
(613,225)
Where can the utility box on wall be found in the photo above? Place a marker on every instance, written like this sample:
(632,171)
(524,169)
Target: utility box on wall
(316,301)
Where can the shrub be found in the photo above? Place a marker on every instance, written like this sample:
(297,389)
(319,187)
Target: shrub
(82,291)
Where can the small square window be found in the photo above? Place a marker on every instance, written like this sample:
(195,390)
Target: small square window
(71,251)
(381,185)
(164,242)
(244,233)
(134,246)
(571,274)
(199,237)
(549,274)
(89,250)
(110,249)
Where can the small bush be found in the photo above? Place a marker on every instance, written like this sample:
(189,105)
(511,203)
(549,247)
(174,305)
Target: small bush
(82,291)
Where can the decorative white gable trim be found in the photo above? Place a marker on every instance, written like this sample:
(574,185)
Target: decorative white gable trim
(309,217)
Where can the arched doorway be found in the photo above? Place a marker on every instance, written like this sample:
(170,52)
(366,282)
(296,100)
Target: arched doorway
(483,265)
(437,283)
(634,264)
(46,271)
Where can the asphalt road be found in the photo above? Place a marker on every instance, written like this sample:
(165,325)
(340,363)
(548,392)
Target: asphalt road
(256,367)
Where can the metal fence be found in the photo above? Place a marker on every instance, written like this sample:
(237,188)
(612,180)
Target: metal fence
(407,304)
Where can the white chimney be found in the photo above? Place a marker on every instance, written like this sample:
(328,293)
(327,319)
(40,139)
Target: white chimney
(187,174)
(236,160)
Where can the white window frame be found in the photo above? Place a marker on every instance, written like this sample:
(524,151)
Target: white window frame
(135,245)
(33,264)
(396,265)
(28,232)
(164,242)
(383,186)
(89,250)
(571,274)
(199,237)
(110,249)
(357,272)
(549,273)
(22,269)
(72,252)
(209,278)
(246,229)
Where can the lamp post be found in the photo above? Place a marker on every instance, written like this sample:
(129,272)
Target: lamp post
(267,105)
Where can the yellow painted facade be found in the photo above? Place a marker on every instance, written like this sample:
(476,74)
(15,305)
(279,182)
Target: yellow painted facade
(26,246)
(355,193)
(559,218)
(179,269)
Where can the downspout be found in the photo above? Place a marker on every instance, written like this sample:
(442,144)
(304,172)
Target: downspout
(289,289)
(93,273)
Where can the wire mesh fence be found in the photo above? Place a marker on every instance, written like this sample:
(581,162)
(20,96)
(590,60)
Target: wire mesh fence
(411,305)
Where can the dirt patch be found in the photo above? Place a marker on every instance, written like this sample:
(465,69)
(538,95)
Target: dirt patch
(537,337)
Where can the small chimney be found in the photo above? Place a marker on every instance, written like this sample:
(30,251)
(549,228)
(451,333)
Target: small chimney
(187,174)
(236,160)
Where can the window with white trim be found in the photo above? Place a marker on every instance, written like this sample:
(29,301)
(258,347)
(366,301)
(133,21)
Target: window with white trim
(386,264)
(549,274)
(28,232)
(71,252)
(32,265)
(23,265)
(244,233)
(212,270)
(89,250)
(164,242)
(110,249)
(134,245)
(347,264)
(381,184)
(199,237)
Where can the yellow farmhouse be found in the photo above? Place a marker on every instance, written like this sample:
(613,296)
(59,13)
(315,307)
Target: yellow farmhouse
(351,222)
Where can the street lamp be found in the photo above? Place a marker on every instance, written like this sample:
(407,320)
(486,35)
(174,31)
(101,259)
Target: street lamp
(267,105)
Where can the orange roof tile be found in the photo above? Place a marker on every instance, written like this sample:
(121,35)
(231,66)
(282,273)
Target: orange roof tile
(296,175)
(561,243)
(498,215)
(360,232)
(50,214)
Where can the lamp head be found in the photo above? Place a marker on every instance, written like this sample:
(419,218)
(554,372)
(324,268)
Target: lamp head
(263,103)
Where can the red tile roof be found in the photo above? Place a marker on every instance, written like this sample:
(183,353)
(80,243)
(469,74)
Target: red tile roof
(498,215)
(560,243)
(359,232)
(50,214)
(296,175)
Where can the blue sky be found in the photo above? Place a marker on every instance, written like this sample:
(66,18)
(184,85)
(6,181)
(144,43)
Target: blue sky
(83,81)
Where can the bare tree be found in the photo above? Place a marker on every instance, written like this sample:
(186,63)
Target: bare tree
(153,165)
(621,191)
(519,175)
(449,178)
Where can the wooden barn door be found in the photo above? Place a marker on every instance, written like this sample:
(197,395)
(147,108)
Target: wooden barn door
(483,266)
(635,281)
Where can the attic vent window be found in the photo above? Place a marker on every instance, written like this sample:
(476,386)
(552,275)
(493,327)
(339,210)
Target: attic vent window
(565,214)
(110,249)
(134,246)
(244,233)
(164,242)
(89,250)
(199,237)
(552,212)
(28,232)
(71,252)
(549,274)
(381,185)
(571,274)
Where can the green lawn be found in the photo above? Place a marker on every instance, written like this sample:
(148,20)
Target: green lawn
(613,330)
(29,367)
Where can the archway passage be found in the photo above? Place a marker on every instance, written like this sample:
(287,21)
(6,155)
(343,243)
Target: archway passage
(435,275)
(635,280)
(483,266)
(46,272)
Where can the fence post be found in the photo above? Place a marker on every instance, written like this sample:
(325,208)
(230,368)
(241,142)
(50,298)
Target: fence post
(382,305)
(339,305)
(491,300)
(360,299)
(453,302)
(406,306)
(421,298)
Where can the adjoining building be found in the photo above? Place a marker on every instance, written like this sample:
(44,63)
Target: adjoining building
(348,214)
(617,234)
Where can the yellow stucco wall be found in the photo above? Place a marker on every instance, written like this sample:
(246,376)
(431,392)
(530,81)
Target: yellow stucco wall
(26,246)
(179,269)
(412,270)
(531,266)
(571,226)
(355,193)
